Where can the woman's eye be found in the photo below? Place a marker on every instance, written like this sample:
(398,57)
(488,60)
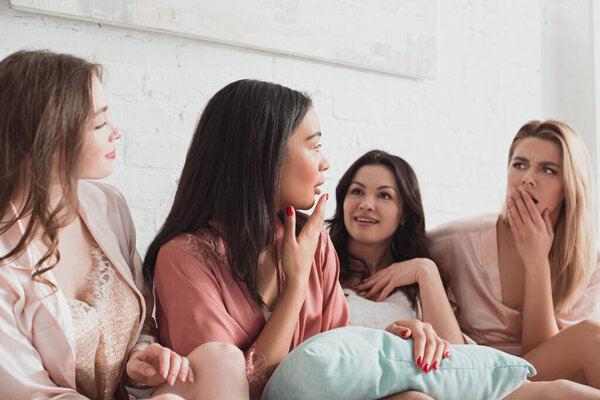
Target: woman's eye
(355,191)
(318,147)
(384,195)
(102,125)
(518,165)
(549,171)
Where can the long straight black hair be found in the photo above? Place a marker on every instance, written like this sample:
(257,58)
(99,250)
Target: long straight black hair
(231,173)
(409,240)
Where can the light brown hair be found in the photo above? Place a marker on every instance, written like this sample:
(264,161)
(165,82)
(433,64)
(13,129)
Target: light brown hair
(573,256)
(45,107)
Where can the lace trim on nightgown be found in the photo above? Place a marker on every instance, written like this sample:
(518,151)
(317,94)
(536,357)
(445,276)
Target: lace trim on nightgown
(105,326)
(379,315)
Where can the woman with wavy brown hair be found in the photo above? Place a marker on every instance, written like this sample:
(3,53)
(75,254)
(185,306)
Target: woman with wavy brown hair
(75,315)
(389,281)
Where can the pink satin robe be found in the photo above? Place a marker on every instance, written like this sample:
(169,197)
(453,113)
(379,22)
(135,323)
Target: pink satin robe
(468,251)
(198,300)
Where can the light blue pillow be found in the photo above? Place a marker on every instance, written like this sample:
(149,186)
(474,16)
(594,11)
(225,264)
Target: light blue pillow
(361,363)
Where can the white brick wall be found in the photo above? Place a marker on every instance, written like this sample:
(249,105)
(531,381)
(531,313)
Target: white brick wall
(455,129)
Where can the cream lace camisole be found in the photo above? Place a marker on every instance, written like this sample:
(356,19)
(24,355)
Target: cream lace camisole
(105,329)
(378,315)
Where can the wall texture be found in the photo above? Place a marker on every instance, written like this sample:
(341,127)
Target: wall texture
(455,130)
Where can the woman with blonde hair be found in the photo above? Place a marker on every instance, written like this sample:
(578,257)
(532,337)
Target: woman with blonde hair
(75,315)
(527,280)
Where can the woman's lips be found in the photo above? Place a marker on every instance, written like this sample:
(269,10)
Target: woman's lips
(535,201)
(365,221)
(112,155)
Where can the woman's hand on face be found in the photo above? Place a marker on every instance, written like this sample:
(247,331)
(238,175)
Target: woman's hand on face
(532,231)
(429,348)
(156,364)
(297,253)
(382,283)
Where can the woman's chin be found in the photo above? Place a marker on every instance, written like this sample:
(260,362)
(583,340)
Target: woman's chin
(305,205)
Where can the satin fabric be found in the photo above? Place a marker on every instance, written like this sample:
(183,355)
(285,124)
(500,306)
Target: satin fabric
(468,251)
(199,301)
(37,344)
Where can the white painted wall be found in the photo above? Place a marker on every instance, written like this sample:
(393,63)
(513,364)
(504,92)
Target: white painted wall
(455,130)
(568,68)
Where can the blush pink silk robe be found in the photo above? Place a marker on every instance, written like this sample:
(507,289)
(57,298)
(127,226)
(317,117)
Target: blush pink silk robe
(199,301)
(468,251)
(37,335)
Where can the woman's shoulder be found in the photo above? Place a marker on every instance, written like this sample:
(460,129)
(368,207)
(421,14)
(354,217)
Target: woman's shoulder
(204,245)
(100,196)
(462,227)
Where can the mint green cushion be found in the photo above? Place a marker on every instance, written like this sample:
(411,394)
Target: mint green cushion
(362,363)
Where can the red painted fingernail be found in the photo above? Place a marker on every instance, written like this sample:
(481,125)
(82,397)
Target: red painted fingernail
(426,368)
(326,196)
(435,365)
(405,332)
(419,361)
(289,211)
(447,354)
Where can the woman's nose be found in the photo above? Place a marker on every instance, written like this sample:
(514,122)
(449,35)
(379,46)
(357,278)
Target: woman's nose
(116,133)
(528,180)
(366,204)
(324,164)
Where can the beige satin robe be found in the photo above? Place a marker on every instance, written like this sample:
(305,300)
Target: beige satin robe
(468,251)
(36,330)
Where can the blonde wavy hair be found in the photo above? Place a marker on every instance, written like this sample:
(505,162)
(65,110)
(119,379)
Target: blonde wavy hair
(573,255)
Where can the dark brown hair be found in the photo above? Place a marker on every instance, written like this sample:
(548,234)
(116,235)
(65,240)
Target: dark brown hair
(409,240)
(231,173)
(45,106)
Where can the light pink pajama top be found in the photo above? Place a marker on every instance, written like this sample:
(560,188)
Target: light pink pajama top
(38,334)
(468,251)
(199,301)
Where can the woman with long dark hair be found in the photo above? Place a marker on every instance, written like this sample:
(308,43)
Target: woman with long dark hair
(379,231)
(75,315)
(229,263)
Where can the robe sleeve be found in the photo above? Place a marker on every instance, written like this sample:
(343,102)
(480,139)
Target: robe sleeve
(191,310)
(22,371)
(335,308)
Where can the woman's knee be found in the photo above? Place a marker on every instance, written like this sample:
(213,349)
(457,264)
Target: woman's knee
(215,354)
(409,396)
(587,335)
(590,327)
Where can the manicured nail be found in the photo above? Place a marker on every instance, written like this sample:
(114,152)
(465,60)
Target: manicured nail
(326,196)
(447,354)
(172,380)
(150,371)
(426,368)
(405,332)
(435,365)
(289,211)
(419,361)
